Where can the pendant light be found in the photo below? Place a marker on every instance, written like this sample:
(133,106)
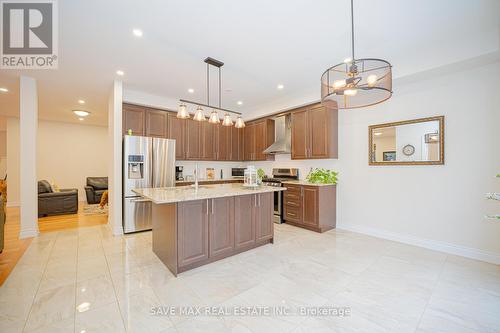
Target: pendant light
(214,118)
(356,83)
(198,115)
(182,112)
(239,123)
(227,120)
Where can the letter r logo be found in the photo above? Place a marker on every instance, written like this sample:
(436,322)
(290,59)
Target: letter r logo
(27,27)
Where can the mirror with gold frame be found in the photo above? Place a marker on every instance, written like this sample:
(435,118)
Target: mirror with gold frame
(410,142)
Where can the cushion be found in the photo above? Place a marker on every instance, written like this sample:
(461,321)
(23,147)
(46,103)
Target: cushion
(54,187)
(44,187)
(98,183)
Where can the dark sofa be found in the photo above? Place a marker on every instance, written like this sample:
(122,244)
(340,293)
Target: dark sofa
(95,188)
(56,203)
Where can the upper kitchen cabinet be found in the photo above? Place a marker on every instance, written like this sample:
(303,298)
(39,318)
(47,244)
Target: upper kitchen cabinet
(177,132)
(193,149)
(236,144)
(133,119)
(223,143)
(208,136)
(314,133)
(156,123)
(258,136)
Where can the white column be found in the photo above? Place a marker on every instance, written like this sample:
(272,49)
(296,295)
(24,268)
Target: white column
(115,153)
(28,123)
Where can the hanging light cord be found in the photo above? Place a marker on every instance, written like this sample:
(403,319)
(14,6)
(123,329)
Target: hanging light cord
(352,28)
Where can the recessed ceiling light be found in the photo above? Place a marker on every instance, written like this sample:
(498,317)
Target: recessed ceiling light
(83,307)
(137,32)
(81,101)
(190,90)
(377,133)
(280,86)
(81,113)
(120,72)
(347,60)
(239,103)
(4,90)
(81,119)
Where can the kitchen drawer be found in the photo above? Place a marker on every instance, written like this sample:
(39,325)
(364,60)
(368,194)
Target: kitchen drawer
(292,214)
(292,189)
(292,201)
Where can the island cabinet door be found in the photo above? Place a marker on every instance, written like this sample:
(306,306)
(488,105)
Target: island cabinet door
(244,222)
(221,226)
(192,220)
(264,216)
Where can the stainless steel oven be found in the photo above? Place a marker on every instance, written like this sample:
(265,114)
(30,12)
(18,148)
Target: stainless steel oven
(278,176)
(278,207)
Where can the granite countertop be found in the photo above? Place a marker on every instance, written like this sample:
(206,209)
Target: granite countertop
(163,195)
(304,182)
(232,179)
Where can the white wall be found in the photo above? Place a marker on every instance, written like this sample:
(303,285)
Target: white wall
(66,155)
(13,179)
(3,153)
(438,206)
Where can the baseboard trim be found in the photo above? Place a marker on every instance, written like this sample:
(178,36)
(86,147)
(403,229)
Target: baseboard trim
(446,247)
(28,233)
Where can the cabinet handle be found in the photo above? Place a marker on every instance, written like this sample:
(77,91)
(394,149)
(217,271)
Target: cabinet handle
(207,207)
(259,199)
(213,206)
(255,200)
(291,214)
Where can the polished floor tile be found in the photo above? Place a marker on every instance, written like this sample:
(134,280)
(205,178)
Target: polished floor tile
(87,280)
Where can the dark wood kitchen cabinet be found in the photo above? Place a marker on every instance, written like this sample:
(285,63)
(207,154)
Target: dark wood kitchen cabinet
(258,136)
(208,137)
(133,119)
(223,143)
(193,140)
(221,226)
(236,144)
(192,221)
(314,133)
(156,122)
(264,210)
(189,234)
(244,223)
(177,132)
(311,207)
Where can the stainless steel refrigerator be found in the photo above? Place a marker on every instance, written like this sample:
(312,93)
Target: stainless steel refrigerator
(147,162)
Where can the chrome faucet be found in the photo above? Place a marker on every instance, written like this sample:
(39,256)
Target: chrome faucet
(196,176)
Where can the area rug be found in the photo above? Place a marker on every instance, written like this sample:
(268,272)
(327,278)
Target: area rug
(95,210)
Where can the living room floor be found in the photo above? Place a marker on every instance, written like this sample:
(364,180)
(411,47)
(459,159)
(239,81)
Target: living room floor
(88,280)
(15,247)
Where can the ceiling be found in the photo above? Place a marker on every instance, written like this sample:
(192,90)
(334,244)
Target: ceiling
(262,43)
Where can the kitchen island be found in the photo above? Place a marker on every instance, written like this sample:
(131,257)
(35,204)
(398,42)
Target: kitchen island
(193,227)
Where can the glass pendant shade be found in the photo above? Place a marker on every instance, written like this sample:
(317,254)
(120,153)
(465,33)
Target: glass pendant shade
(357,84)
(214,118)
(239,123)
(182,112)
(198,115)
(227,120)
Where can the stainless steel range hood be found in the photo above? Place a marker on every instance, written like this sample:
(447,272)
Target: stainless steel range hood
(282,136)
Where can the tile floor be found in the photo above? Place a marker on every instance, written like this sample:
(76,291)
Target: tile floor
(86,280)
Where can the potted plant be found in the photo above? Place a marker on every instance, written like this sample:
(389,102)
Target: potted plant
(322,176)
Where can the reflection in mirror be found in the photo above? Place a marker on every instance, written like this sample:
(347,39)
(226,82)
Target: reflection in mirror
(417,141)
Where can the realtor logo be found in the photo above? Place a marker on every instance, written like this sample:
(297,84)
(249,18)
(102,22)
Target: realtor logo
(29,34)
